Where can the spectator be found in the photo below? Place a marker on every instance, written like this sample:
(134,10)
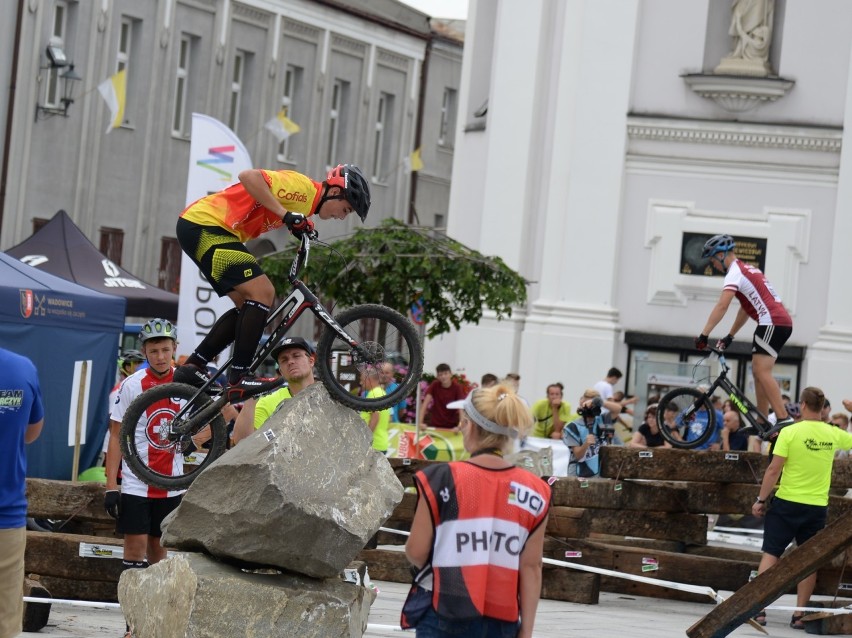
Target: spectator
(21,420)
(441,392)
(551,414)
(586,435)
(623,421)
(294,358)
(138,508)
(606,390)
(732,435)
(648,434)
(826,411)
(481,588)
(670,420)
(389,384)
(802,458)
(128,363)
(488,380)
(841,421)
(702,419)
(378,421)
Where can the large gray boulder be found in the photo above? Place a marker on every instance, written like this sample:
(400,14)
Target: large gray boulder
(194,596)
(304,493)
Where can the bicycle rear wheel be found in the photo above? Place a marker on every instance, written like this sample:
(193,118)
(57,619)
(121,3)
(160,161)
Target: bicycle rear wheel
(147,447)
(381,335)
(691,420)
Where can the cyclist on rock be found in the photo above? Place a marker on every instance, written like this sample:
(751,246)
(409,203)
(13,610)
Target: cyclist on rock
(212,232)
(759,301)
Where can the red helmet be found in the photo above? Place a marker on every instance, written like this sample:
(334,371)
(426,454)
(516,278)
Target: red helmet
(356,190)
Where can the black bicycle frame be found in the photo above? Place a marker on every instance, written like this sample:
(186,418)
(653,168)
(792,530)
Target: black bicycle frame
(299,300)
(737,397)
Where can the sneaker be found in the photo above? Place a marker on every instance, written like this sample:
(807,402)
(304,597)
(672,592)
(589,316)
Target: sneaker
(191,375)
(760,618)
(251,386)
(796,621)
(772,432)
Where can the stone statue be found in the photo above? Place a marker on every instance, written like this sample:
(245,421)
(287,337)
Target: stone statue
(751,28)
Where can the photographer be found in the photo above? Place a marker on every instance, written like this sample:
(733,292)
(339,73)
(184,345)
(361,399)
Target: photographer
(585,436)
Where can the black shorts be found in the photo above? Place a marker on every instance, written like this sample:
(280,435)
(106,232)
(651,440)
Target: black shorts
(143,515)
(220,256)
(786,520)
(770,339)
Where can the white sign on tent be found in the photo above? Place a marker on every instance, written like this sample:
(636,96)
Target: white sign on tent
(216,157)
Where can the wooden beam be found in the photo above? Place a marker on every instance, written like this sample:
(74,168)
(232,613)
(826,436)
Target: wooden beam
(558,583)
(571,522)
(50,554)
(629,495)
(36,615)
(62,500)
(93,590)
(761,591)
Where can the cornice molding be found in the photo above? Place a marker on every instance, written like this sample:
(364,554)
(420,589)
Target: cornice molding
(745,135)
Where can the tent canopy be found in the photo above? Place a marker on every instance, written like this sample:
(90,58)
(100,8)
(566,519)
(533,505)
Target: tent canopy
(60,248)
(71,335)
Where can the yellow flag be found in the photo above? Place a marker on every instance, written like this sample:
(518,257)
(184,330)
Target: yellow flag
(114,91)
(282,126)
(415,162)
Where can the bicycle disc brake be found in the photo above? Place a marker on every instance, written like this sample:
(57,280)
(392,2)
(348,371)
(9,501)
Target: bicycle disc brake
(367,353)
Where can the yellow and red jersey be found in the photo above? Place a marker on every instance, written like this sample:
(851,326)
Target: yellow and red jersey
(483,518)
(238,212)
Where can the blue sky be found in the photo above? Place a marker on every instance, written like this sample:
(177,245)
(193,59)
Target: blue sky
(456,9)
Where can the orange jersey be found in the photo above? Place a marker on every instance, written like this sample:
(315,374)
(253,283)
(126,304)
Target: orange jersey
(238,212)
(482,518)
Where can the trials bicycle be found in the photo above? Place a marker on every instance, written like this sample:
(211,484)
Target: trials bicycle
(362,337)
(696,418)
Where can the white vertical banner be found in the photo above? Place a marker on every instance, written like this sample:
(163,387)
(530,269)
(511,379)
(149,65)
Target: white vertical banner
(78,407)
(216,157)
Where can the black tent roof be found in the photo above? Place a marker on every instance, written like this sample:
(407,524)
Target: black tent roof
(60,248)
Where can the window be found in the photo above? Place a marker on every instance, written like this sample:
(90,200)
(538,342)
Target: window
(179,119)
(124,39)
(112,243)
(448,118)
(236,90)
(292,84)
(337,110)
(57,35)
(170,256)
(382,149)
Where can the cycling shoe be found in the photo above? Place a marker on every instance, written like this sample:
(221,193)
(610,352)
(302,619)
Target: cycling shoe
(190,375)
(251,386)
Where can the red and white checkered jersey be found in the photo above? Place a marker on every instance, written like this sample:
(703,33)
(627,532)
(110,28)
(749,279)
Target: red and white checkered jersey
(152,453)
(756,295)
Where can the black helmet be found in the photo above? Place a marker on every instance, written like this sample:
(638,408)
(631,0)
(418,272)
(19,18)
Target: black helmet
(157,328)
(132,356)
(351,181)
(717,244)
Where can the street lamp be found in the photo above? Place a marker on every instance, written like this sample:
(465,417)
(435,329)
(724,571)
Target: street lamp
(68,81)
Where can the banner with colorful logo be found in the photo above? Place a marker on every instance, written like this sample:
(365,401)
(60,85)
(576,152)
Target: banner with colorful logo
(216,157)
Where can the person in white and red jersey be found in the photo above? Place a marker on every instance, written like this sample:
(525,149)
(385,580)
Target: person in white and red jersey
(139,508)
(758,301)
(479,524)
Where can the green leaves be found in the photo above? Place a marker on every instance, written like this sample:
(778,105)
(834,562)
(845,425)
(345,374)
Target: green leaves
(395,264)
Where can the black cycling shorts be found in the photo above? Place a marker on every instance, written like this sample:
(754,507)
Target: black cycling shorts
(220,256)
(770,339)
(787,520)
(143,515)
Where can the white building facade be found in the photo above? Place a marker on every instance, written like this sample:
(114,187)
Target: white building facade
(600,141)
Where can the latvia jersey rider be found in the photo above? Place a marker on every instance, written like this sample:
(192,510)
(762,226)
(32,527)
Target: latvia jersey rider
(479,538)
(159,458)
(756,295)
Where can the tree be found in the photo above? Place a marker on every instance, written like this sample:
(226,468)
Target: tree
(395,264)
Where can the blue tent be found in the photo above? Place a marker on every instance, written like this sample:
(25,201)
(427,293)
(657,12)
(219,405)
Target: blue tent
(71,334)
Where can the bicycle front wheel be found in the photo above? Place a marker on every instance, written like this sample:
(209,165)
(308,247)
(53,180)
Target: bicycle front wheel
(686,418)
(379,335)
(149,446)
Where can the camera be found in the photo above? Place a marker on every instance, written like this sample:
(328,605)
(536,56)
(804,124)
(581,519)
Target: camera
(592,410)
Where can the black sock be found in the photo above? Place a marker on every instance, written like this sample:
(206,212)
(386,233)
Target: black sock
(249,331)
(219,338)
